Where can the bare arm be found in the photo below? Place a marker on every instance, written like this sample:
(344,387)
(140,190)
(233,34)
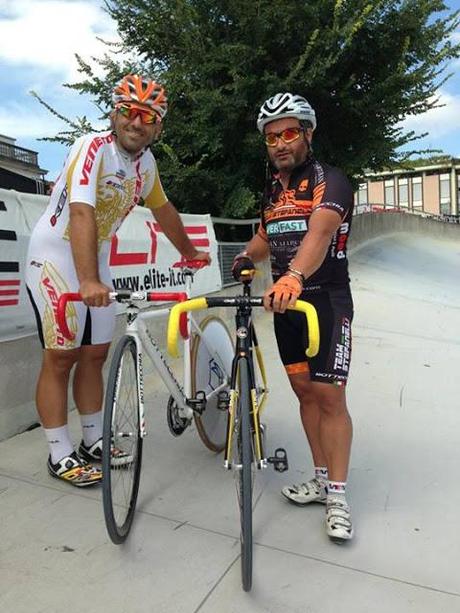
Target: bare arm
(257,249)
(171,224)
(83,242)
(312,250)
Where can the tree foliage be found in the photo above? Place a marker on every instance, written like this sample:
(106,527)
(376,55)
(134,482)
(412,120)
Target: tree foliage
(363,66)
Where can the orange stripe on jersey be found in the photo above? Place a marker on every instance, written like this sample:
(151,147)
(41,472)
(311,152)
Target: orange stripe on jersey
(318,193)
(262,233)
(296,369)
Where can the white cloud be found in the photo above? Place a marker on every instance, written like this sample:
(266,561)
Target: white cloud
(47,33)
(439,121)
(23,124)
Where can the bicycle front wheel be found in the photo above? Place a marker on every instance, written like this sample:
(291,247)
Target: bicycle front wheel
(212,355)
(244,470)
(122,443)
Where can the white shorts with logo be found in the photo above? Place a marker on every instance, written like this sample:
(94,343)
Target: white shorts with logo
(50,273)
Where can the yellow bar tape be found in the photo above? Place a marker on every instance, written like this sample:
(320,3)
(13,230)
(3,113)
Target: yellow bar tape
(196,304)
(313,326)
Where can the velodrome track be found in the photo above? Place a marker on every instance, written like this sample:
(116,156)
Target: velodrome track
(183,553)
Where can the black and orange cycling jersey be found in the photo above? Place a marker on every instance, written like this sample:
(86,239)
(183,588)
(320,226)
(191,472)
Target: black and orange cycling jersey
(286,213)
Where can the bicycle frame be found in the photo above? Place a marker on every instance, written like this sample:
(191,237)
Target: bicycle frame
(138,330)
(246,341)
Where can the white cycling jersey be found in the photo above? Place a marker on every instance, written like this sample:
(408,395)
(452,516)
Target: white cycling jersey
(98,173)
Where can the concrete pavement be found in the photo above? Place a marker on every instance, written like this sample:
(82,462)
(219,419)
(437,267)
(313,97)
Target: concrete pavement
(183,553)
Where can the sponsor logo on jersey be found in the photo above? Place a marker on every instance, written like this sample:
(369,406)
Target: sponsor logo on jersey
(281,227)
(118,186)
(303,186)
(93,148)
(60,205)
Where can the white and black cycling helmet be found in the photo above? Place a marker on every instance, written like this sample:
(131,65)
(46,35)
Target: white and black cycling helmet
(285,105)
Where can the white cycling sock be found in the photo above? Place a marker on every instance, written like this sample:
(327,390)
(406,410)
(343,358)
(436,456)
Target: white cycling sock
(91,426)
(59,442)
(321,474)
(336,489)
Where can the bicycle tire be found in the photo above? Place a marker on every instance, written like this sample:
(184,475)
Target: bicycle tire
(245,457)
(121,429)
(207,374)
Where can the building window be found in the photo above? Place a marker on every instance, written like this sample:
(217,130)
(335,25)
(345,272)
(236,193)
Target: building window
(362,193)
(389,193)
(403,192)
(444,194)
(417,198)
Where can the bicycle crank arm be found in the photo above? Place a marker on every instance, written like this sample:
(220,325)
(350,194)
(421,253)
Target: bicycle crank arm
(279,460)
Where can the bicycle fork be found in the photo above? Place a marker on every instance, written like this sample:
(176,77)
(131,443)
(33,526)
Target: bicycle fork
(279,460)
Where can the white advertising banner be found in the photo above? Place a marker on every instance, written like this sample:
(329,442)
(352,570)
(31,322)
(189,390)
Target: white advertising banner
(141,257)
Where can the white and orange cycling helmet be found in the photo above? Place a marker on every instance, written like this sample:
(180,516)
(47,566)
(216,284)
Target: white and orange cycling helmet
(141,90)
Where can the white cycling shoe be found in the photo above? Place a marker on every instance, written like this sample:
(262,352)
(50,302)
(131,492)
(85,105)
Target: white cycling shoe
(305,493)
(338,520)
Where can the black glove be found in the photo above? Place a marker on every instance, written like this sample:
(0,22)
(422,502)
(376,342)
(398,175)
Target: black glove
(240,263)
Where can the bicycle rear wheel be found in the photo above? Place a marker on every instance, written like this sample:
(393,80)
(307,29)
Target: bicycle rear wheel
(212,355)
(244,470)
(121,433)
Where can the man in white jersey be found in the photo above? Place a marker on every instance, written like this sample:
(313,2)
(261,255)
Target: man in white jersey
(104,177)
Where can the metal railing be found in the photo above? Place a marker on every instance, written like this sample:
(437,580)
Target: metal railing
(26,156)
(227,252)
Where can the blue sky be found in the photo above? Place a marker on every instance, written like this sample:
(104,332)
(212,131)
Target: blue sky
(38,39)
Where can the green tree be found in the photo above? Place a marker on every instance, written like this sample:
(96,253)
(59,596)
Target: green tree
(362,65)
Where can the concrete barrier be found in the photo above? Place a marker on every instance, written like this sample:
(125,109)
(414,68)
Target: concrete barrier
(20,359)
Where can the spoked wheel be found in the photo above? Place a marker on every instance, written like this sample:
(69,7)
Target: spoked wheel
(245,475)
(122,443)
(212,355)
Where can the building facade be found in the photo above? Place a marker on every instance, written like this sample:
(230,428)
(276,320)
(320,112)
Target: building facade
(19,168)
(432,189)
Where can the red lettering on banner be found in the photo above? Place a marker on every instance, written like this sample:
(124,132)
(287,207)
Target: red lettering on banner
(153,240)
(124,259)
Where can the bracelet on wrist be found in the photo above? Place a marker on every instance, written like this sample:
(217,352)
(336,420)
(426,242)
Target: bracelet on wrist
(297,273)
(294,276)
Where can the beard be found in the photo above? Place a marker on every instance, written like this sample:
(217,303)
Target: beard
(289,160)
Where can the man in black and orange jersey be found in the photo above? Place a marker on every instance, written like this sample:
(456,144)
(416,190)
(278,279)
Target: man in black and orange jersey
(105,175)
(305,222)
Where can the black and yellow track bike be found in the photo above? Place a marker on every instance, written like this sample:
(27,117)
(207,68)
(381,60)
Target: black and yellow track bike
(244,451)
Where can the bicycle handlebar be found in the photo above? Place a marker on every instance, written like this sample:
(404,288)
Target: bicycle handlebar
(120,296)
(192,264)
(197,304)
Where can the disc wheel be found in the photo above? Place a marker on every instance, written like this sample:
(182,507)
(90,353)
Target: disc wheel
(212,356)
(121,438)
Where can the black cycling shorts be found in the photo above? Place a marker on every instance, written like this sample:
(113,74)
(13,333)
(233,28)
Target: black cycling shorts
(335,314)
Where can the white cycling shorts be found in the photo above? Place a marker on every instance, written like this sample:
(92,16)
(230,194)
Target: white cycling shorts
(48,275)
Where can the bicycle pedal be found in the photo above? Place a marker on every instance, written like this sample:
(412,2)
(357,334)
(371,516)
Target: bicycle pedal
(223,400)
(279,460)
(198,404)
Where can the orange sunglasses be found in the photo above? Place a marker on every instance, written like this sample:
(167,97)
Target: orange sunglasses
(131,112)
(289,135)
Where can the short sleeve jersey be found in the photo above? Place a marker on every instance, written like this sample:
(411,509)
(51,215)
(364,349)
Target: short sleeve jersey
(98,173)
(286,214)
